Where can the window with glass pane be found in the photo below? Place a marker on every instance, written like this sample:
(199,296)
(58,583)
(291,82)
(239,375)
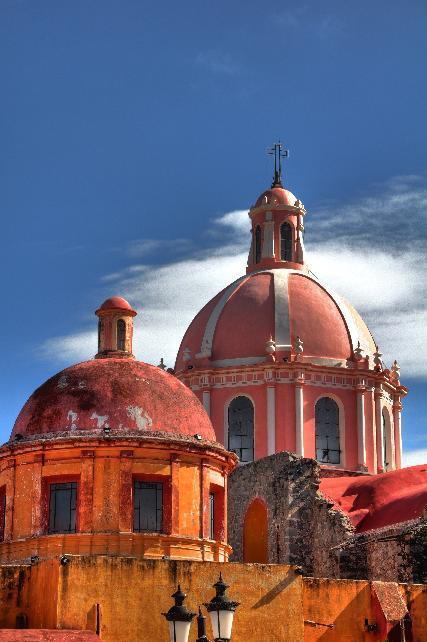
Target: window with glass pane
(385,453)
(327,431)
(62,507)
(286,242)
(147,507)
(257,244)
(211,515)
(241,428)
(121,335)
(2,512)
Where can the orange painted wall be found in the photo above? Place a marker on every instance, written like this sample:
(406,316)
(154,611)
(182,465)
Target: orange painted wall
(105,475)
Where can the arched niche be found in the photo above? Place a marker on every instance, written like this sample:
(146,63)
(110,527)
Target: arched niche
(327,431)
(240,418)
(255,533)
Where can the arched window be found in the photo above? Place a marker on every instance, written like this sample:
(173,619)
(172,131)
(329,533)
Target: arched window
(241,428)
(385,441)
(121,335)
(257,244)
(327,431)
(286,242)
(255,533)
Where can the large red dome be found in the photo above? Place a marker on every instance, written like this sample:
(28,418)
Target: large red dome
(234,326)
(119,394)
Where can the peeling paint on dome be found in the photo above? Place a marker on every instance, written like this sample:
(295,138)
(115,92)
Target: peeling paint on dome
(140,417)
(72,417)
(101,420)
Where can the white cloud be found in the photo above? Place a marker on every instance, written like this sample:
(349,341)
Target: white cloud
(415,457)
(385,285)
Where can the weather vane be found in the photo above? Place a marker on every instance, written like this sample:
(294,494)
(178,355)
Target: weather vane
(279,152)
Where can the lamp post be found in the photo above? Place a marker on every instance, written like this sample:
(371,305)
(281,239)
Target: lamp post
(201,628)
(179,618)
(221,610)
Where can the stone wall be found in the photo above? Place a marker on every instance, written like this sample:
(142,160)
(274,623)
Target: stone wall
(305,529)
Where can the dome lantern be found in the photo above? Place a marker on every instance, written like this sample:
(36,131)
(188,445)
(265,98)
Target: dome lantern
(115,329)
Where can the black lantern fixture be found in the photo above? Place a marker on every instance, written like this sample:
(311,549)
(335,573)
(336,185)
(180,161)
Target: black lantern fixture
(221,610)
(201,628)
(179,618)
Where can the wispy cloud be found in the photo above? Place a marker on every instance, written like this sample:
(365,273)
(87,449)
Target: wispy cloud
(414,457)
(218,62)
(375,264)
(300,17)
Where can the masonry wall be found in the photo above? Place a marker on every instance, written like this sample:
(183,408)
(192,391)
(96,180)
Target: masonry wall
(302,526)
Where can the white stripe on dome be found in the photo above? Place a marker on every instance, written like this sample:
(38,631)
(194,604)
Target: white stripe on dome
(281,311)
(206,346)
(282,328)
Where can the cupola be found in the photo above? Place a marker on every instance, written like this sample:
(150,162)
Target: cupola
(277,225)
(115,329)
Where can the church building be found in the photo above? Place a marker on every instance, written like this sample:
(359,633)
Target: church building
(269,460)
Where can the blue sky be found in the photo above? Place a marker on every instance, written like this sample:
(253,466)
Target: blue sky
(133,139)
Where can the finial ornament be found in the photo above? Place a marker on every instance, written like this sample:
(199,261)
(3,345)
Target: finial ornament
(279,152)
(395,371)
(358,352)
(270,346)
(299,345)
(162,364)
(377,359)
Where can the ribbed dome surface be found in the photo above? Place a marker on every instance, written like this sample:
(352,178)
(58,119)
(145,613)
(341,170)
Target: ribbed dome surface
(285,304)
(120,394)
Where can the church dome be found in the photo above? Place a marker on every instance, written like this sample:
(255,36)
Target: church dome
(116,394)
(276,196)
(116,303)
(233,328)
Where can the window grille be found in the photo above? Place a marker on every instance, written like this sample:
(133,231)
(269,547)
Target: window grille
(327,431)
(211,515)
(241,428)
(121,335)
(257,244)
(385,449)
(148,507)
(62,507)
(2,512)
(286,242)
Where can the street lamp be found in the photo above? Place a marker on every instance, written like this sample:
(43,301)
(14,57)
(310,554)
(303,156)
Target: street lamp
(179,618)
(221,610)
(201,628)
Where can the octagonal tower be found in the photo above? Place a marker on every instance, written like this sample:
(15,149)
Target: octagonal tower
(114,456)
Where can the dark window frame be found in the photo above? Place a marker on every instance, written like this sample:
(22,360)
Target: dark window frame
(286,241)
(327,434)
(247,438)
(121,334)
(53,494)
(160,488)
(2,512)
(257,244)
(212,514)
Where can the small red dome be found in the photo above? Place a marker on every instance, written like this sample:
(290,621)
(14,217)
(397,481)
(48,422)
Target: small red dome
(284,304)
(276,196)
(116,303)
(119,394)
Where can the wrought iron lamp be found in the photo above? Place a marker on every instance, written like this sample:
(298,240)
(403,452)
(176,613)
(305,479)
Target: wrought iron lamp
(179,618)
(221,610)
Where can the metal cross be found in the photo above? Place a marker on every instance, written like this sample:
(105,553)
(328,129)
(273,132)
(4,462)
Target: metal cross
(279,152)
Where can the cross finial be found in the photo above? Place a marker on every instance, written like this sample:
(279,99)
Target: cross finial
(279,152)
